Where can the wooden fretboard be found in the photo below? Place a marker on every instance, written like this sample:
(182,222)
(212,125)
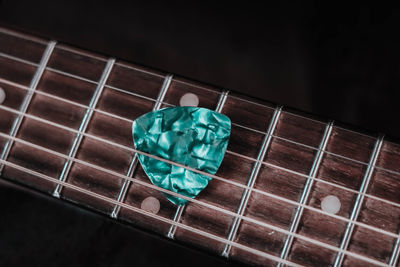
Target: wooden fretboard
(65,129)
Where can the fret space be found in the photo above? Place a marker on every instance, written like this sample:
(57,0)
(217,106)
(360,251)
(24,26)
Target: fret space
(350,144)
(66,87)
(385,181)
(3,142)
(308,254)
(95,181)
(16,71)
(249,146)
(386,185)
(124,105)
(372,244)
(136,80)
(280,183)
(208,98)
(56,111)
(322,227)
(75,63)
(208,220)
(247,114)
(6,121)
(14,96)
(46,135)
(21,48)
(231,170)
(290,156)
(342,171)
(299,129)
(104,155)
(265,210)
(110,128)
(259,238)
(380,214)
(35,160)
(136,195)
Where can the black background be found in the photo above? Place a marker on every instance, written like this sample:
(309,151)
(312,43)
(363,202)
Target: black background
(338,61)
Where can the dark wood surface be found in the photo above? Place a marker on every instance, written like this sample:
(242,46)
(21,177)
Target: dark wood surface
(368,113)
(288,160)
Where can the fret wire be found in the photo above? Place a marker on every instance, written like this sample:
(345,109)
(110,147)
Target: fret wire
(304,145)
(248,128)
(307,190)
(156,188)
(253,176)
(316,242)
(229,152)
(396,253)
(155,74)
(22,36)
(14,58)
(298,115)
(135,160)
(148,214)
(359,201)
(83,126)
(99,168)
(201,172)
(27,100)
(181,208)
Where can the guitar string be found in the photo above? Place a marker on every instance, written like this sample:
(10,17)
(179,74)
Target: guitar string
(231,152)
(17,59)
(167,104)
(311,240)
(297,115)
(122,118)
(195,230)
(214,176)
(179,210)
(158,189)
(143,212)
(23,36)
(248,128)
(86,53)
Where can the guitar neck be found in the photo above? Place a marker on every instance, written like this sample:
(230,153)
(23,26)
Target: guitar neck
(291,190)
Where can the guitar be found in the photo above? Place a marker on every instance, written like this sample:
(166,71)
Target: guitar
(292,190)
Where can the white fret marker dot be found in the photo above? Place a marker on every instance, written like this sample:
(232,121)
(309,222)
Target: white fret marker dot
(189,99)
(331,204)
(151,204)
(2,95)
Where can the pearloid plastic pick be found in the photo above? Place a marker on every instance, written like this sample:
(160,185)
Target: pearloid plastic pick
(192,136)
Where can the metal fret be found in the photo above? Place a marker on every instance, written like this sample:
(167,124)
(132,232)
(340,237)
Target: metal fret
(359,200)
(135,160)
(27,100)
(396,253)
(254,173)
(83,126)
(181,208)
(307,190)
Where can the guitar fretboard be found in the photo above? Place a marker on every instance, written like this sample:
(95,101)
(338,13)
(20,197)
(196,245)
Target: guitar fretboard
(65,129)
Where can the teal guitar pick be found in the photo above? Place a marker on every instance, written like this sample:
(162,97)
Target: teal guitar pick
(192,136)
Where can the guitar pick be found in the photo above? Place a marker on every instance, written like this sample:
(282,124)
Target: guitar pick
(192,136)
